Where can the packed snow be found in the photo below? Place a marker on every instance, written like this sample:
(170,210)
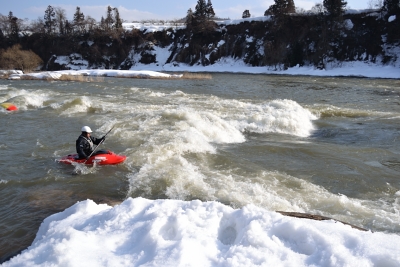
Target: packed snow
(56,75)
(142,232)
(153,26)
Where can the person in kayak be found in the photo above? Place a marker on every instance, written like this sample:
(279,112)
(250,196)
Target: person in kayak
(85,143)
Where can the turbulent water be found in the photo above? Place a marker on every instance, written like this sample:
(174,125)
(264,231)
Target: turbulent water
(327,146)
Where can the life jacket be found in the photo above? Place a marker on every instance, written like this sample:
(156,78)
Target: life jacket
(91,145)
(84,146)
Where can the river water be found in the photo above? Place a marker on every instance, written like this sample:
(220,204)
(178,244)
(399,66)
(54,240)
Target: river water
(327,146)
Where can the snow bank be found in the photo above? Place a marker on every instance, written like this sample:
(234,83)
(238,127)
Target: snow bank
(179,233)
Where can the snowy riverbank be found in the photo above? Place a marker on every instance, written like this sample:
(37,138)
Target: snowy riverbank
(344,69)
(141,232)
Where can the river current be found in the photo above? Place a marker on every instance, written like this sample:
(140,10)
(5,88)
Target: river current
(327,146)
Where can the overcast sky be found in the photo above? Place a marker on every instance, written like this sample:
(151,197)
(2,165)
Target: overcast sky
(153,9)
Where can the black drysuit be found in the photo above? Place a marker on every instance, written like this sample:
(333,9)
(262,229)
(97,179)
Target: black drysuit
(84,145)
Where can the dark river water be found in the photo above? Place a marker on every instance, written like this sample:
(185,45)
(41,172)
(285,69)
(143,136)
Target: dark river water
(327,146)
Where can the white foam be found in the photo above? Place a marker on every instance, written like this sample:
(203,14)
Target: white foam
(280,116)
(23,98)
(182,124)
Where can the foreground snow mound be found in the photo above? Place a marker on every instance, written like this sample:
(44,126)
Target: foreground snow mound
(180,233)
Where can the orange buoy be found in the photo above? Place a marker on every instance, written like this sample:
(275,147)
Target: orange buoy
(9,106)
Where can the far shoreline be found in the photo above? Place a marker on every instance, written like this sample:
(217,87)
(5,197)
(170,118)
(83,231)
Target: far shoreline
(358,70)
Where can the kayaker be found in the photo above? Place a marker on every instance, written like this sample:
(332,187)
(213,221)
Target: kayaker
(85,143)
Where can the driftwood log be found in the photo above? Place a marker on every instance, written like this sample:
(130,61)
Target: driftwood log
(316,217)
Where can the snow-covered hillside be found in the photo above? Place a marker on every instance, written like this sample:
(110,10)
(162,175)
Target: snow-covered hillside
(250,45)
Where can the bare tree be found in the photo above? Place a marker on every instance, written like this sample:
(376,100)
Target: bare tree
(91,24)
(37,26)
(318,9)
(60,17)
(3,22)
(375,4)
(4,25)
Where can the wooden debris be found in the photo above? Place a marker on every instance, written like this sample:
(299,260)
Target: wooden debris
(316,217)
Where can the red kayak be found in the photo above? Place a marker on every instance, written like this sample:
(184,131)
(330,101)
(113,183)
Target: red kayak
(101,157)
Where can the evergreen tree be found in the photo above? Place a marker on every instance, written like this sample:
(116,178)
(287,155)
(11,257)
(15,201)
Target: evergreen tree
(109,20)
(49,20)
(200,11)
(335,8)
(189,17)
(290,7)
(118,21)
(209,10)
(2,39)
(14,27)
(281,7)
(79,20)
(246,14)
(102,23)
(201,21)
(392,6)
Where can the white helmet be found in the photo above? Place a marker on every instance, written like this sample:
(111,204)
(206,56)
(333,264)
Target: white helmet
(86,129)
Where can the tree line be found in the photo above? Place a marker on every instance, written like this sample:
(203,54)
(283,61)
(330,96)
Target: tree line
(54,23)
(200,22)
(332,8)
(55,19)
(201,19)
